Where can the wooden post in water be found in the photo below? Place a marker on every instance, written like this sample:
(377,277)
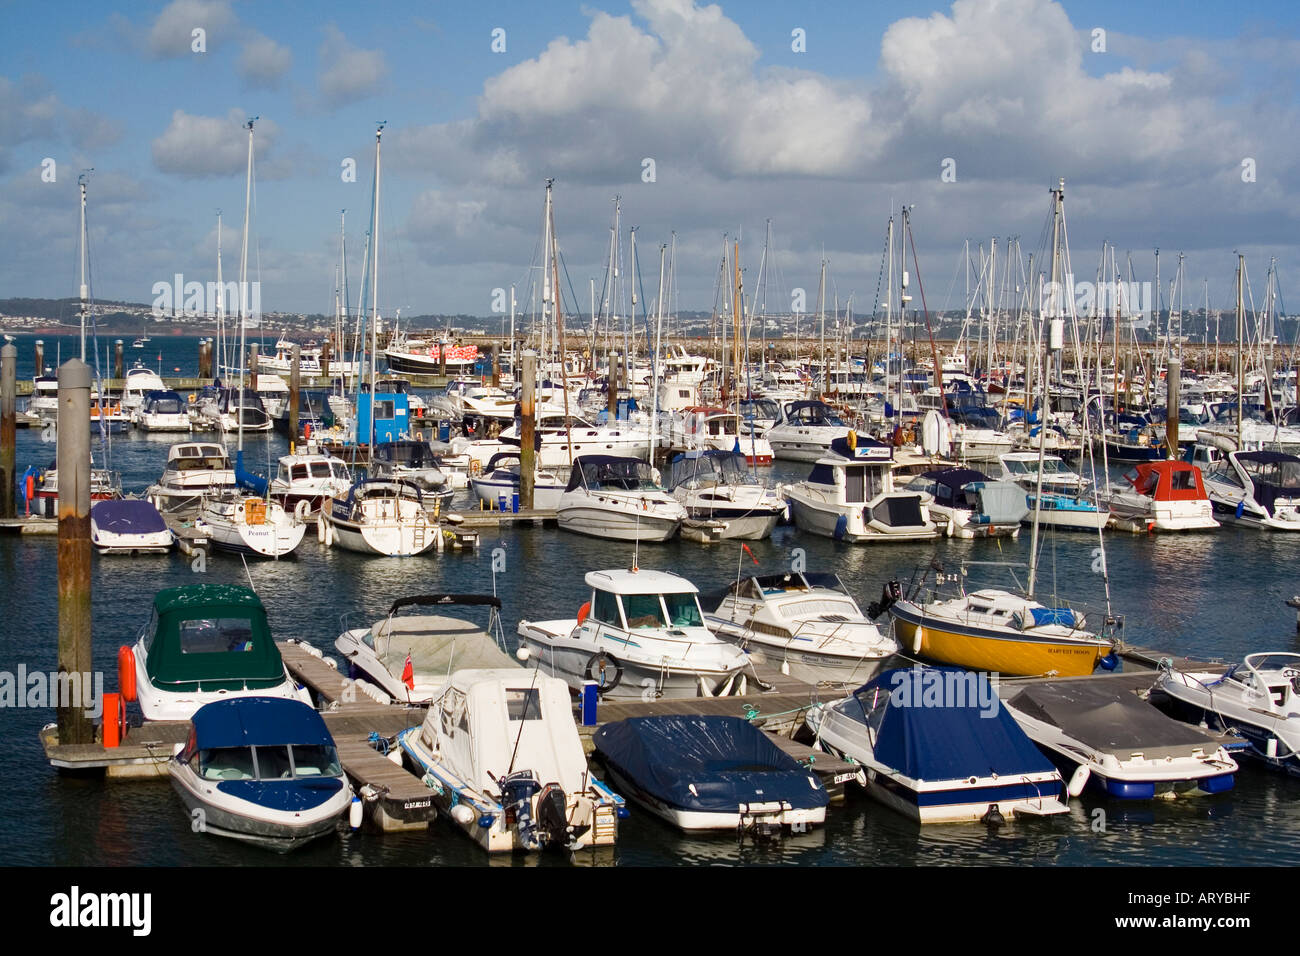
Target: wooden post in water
(1173,384)
(496,364)
(205,358)
(325,358)
(40,357)
(73,463)
(442,359)
(8,422)
(253,351)
(295,382)
(527,454)
(117,359)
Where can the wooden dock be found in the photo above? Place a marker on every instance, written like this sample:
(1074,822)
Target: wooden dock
(30,524)
(498,519)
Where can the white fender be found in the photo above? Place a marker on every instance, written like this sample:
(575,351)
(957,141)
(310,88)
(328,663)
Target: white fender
(301,510)
(320,528)
(917,637)
(355,812)
(1079,780)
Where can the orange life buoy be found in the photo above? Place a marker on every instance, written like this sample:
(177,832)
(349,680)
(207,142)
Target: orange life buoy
(584,611)
(126,672)
(306,431)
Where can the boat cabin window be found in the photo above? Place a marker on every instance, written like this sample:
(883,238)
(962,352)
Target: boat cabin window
(227,763)
(273,763)
(872,703)
(819,608)
(643,610)
(861,484)
(683,610)
(1182,480)
(315,760)
(320,469)
(524,703)
(604,608)
(216,635)
(299,472)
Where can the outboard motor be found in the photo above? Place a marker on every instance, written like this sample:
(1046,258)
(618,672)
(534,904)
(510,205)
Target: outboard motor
(552,818)
(889,594)
(517,791)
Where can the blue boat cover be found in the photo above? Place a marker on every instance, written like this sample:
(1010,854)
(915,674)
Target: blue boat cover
(128,516)
(726,761)
(259,722)
(929,735)
(1063,616)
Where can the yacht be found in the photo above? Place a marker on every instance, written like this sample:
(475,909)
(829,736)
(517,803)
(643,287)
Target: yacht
(195,470)
(805,431)
(309,477)
(972,504)
(163,411)
(619,499)
(250,525)
(379,516)
(1256,488)
(1162,496)
(717,486)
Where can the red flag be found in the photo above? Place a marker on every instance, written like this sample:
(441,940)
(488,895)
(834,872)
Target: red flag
(408,674)
(748,552)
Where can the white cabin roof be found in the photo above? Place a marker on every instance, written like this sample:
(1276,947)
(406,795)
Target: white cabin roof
(640,582)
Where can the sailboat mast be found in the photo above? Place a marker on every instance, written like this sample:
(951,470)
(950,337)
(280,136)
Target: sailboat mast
(1241,321)
(243,287)
(1054,337)
(221,303)
(374,291)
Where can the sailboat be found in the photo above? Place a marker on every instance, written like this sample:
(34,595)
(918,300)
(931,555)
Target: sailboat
(249,524)
(998,630)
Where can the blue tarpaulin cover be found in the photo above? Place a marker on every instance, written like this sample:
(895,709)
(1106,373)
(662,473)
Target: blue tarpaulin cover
(1053,615)
(259,722)
(127,517)
(727,760)
(947,738)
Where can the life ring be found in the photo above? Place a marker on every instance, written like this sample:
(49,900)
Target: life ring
(583,612)
(126,672)
(599,668)
(301,510)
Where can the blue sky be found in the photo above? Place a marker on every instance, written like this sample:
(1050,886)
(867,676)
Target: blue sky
(1149,134)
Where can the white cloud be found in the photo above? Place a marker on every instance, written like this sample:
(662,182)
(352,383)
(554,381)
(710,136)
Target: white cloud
(172,32)
(198,146)
(263,62)
(348,73)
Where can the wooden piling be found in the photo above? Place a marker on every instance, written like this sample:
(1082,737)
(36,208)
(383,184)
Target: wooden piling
(253,351)
(325,358)
(73,462)
(527,453)
(8,427)
(205,358)
(442,359)
(117,359)
(295,382)
(1173,382)
(496,365)
(40,357)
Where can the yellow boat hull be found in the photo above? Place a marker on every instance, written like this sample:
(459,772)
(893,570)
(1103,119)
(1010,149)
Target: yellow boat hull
(1007,654)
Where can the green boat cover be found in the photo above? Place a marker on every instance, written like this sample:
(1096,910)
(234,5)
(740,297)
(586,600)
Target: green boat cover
(211,637)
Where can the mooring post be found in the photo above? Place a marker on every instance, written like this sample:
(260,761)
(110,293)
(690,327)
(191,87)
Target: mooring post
(442,359)
(1173,383)
(117,360)
(73,462)
(294,384)
(40,357)
(496,364)
(252,367)
(8,425)
(325,358)
(527,454)
(205,367)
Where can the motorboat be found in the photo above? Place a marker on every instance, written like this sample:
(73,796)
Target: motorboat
(1256,488)
(128,526)
(935,744)
(996,630)
(407,460)
(805,431)
(139,382)
(230,409)
(105,485)
(850,496)
(500,754)
(379,516)
(711,773)
(163,411)
(562,439)
(410,657)
(499,480)
(309,477)
(972,504)
(1162,496)
(641,635)
(717,486)
(1118,743)
(704,427)
(203,643)
(808,622)
(1258,698)
(194,471)
(250,525)
(263,770)
(619,499)
(1022,467)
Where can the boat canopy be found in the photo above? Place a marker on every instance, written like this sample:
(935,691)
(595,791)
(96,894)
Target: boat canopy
(813,414)
(211,636)
(412,454)
(1167,481)
(436,645)
(1274,475)
(693,468)
(609,471)
(165,403)
(707,764)
(931,725)
(259,722)
(127,516)
(768,585)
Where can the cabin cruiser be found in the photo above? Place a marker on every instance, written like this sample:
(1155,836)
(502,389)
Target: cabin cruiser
(195,470)
(808,622)
(499,481)
(935,745)
(203,643)
(972,504)
(619,499)
(757,415)
(1258,698)
(410,657)
(407,460)
(163,411)
(379,516)
(309,477)
(501,756)
(640,635)
(805,430)
(1162,496)
(850,496)
(716,486)
(263,770)
(250,525)
(1257,488)
(230,408)
(128,526)
(139,382)
(559,445)
(105,485)
(1066,501)
(703,427)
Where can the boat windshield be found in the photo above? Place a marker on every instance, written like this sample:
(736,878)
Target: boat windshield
(216,635)
(683,610)
(269,763)
(523,703)
(643,610)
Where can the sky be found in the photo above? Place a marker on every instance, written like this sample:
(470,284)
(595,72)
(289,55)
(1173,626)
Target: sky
(1173,127)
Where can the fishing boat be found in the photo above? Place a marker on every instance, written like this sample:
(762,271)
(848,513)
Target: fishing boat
(972,504)
(1162,496)
(309,477)
(379,516)
(619,499)
(935,745)
(1258,698)
(128,526)
(711,773)
(203,643)
(640,635)
(500,754)
(263,770)
(1260,489)
(850,496)
(808,622)
(716,486)
(194,471)
(499,481)
(410,658)
(254,526)
(805,431)
(1119,744)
